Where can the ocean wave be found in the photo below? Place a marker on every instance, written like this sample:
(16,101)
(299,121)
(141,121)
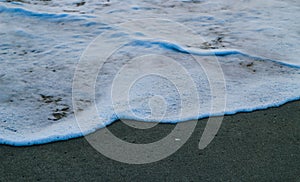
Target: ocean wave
(17,11)
(257,54)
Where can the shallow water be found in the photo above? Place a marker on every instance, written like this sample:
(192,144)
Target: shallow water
(176,57)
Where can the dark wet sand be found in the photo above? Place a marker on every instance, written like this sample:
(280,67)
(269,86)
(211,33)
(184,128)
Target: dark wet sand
(258,146)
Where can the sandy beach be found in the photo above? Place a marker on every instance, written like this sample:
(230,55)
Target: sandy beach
(259,146)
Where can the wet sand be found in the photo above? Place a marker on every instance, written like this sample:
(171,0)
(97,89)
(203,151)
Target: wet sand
(259,146)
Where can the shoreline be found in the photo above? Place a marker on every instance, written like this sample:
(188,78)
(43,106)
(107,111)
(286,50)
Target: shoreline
(260,145)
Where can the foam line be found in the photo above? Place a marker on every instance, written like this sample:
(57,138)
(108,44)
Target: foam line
(55,138)
(211,52)
(46,16)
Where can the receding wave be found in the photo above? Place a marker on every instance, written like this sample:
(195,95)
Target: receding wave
(161,71)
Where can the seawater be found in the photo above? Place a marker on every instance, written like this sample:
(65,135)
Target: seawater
(254,44)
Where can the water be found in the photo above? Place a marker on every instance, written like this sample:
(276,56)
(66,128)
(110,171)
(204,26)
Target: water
(244,54)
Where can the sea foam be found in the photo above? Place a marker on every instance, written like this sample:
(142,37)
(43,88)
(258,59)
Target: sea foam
(244,61)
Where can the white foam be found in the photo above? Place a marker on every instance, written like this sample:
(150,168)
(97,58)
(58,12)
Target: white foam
(256,44)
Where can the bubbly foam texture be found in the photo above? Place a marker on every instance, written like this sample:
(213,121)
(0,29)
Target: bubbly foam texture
(255,43)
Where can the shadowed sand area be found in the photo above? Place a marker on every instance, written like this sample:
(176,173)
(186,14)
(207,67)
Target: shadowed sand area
(258,146)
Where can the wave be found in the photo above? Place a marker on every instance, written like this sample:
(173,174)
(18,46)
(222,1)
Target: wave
(209,52)
(244,92)
(39,56)
(43,15)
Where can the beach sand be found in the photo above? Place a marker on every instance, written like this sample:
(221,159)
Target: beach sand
(259,146)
